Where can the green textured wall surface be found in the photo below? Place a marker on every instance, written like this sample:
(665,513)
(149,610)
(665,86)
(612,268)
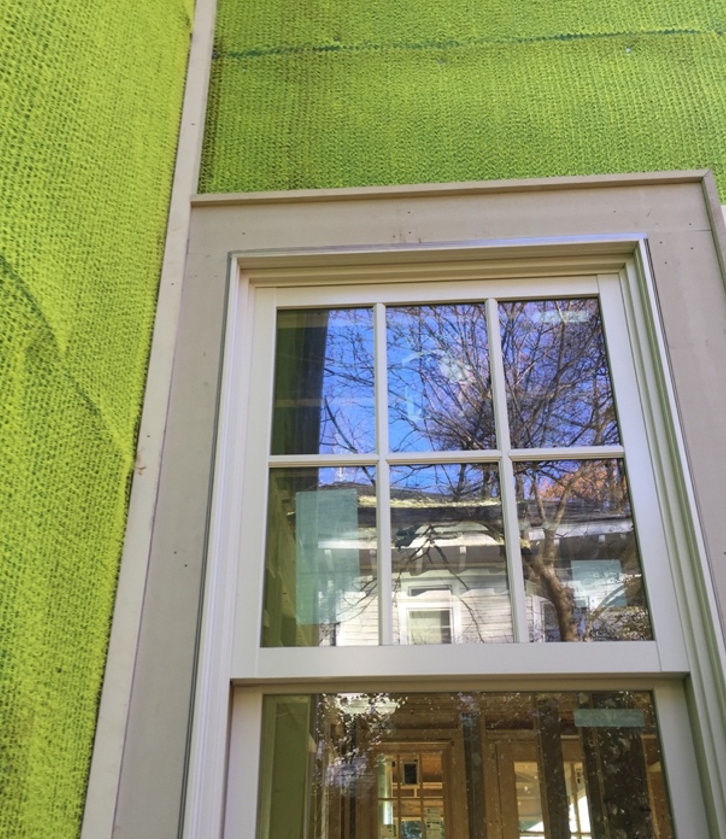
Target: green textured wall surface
(90,97)
(340,93)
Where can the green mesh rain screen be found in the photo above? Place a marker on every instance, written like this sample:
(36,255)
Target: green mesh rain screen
(90,98)
(343,92)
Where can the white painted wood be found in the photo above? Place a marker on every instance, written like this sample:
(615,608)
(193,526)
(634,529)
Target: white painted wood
(572,453)
(244,764)
(639,457)
(469,456)
(248,501)
(616,658)
(688,808)
(207,770)
(323,460)
(693,585)
(520,626)
(383,481)
(447,189)
(370,288)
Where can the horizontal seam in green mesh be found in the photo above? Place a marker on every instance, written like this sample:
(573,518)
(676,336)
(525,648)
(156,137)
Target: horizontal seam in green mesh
(449,43)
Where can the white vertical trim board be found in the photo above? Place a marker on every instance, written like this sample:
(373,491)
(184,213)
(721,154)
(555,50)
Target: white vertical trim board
(207,761)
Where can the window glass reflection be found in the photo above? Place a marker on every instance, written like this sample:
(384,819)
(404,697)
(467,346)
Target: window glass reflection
(436,765)
(558,384)
(320,564)
(579,552)
(323,399)
(439,388)
(449,561)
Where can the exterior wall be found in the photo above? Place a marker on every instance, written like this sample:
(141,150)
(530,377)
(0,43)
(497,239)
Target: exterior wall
(685,231)
(338,94)
(345,95)
(91,96)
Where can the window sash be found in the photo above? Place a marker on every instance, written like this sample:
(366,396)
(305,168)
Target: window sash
(675,740)
(665,654)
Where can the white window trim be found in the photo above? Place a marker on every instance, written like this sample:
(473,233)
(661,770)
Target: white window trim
(543,257)
(250,663)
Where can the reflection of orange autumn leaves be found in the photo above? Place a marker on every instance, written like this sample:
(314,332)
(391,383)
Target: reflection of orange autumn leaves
(559,400)
(597,482)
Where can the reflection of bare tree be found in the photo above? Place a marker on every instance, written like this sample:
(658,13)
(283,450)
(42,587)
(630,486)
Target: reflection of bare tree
(559,396)
(558,382)
(591,754)
(447,525)
(438,378)
(580,511)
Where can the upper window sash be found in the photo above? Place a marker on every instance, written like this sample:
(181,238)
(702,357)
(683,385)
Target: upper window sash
(249,660)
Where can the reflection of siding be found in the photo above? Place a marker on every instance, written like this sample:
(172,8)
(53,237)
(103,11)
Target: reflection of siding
(481,612)
(364,630)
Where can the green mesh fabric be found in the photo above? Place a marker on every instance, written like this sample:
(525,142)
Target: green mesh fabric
(342,93)
(90,96)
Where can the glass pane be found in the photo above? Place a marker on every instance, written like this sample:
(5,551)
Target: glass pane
(449,561)
(557,377)
(529,799)
(439,389)
(437,765)
(580,558)
(323,400)
(320,565)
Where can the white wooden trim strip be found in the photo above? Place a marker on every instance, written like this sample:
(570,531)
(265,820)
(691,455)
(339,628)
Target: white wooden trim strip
(207,770)
(244,764)
(425,662)
(574,453)
(383,482)
(688,808)
(517,598)
(459,188)
(698,608)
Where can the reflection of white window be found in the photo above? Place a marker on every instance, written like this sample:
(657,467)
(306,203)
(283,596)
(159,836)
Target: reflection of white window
(367,549)
(429,626)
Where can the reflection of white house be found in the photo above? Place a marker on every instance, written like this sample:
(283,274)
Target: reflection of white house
(450,580)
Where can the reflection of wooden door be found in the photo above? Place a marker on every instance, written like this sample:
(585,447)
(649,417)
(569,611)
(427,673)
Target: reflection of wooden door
(527,799)
(522,801)
(419,790)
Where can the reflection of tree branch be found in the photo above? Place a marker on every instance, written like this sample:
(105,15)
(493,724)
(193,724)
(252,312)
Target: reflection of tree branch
(346,440)
(424,552)
(542,564)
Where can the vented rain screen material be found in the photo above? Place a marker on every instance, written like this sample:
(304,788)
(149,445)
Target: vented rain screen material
(91,96)
(347,93)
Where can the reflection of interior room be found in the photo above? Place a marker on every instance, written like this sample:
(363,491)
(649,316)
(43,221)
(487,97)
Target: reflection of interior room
(462,766)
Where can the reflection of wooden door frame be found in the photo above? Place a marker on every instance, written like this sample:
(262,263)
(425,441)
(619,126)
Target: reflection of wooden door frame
(451,745)
(500,754)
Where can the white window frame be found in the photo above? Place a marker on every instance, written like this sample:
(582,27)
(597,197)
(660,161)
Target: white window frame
(633,664)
